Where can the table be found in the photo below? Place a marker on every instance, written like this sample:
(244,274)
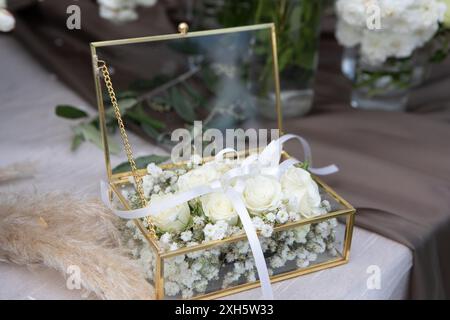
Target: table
(30,131)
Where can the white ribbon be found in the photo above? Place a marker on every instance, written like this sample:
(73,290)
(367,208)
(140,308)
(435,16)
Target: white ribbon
(266,163)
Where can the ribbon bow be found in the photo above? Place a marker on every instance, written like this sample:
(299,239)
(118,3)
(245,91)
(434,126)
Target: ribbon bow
(232,184)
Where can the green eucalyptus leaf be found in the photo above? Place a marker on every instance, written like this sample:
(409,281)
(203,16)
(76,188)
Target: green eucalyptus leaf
(150,131)
(285,58)
(124,105)
(141,163)
(127,94)
(182,106)
(148,84)
(195,96)
(76,141)
(141,116)
(69,112)
(92,134)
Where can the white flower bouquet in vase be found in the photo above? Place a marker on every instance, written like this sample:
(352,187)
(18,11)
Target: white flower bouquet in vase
(211,226)
(389,46)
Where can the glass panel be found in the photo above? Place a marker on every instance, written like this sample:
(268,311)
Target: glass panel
(229,265)
(142,251)
(166,85)
(298,30)
(334,205)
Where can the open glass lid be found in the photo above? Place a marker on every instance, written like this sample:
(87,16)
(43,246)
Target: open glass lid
(191,82)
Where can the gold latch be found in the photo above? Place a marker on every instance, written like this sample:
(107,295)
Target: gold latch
(183,28)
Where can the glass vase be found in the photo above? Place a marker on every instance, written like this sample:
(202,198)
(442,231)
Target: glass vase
(386,86)
(298,27)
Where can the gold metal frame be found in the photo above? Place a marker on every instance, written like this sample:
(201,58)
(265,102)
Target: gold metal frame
(117,180)
(348,212)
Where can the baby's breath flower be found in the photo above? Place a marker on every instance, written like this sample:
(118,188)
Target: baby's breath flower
(277,262)
(282,216)
(258,222)
(186,236)
(171,288)
(173,246)
(266,230)
(166,238)
(270,217)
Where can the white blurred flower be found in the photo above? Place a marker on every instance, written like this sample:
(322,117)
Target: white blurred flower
(405,26)
(352,12)
(121,15)
(146,3)
(7,21)
(348,35)
(121,10)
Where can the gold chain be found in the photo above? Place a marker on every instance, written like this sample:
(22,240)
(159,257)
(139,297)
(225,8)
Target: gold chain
(126,143)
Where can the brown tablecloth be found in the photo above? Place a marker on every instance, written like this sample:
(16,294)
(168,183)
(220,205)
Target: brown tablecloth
(395,167)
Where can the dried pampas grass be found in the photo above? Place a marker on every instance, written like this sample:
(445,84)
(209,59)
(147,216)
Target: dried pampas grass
(58,230)
(16,171)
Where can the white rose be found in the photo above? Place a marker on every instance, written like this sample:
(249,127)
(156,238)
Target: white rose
(302,192)
(197,177)
(217,207)
(7,21)
(223,166)
(262,193)
(172,220)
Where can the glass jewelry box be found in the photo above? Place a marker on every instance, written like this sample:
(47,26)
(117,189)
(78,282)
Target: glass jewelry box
(222,79)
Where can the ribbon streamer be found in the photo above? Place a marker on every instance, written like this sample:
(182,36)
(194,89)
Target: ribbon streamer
(266,163)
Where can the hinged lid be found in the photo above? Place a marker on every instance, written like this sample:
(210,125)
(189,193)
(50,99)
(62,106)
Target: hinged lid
(223,78)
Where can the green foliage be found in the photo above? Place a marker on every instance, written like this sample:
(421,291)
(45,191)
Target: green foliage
(69,112)
(140,116)
(181,105)
(441,44)
(303,165)
(89,132)
(297,23)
